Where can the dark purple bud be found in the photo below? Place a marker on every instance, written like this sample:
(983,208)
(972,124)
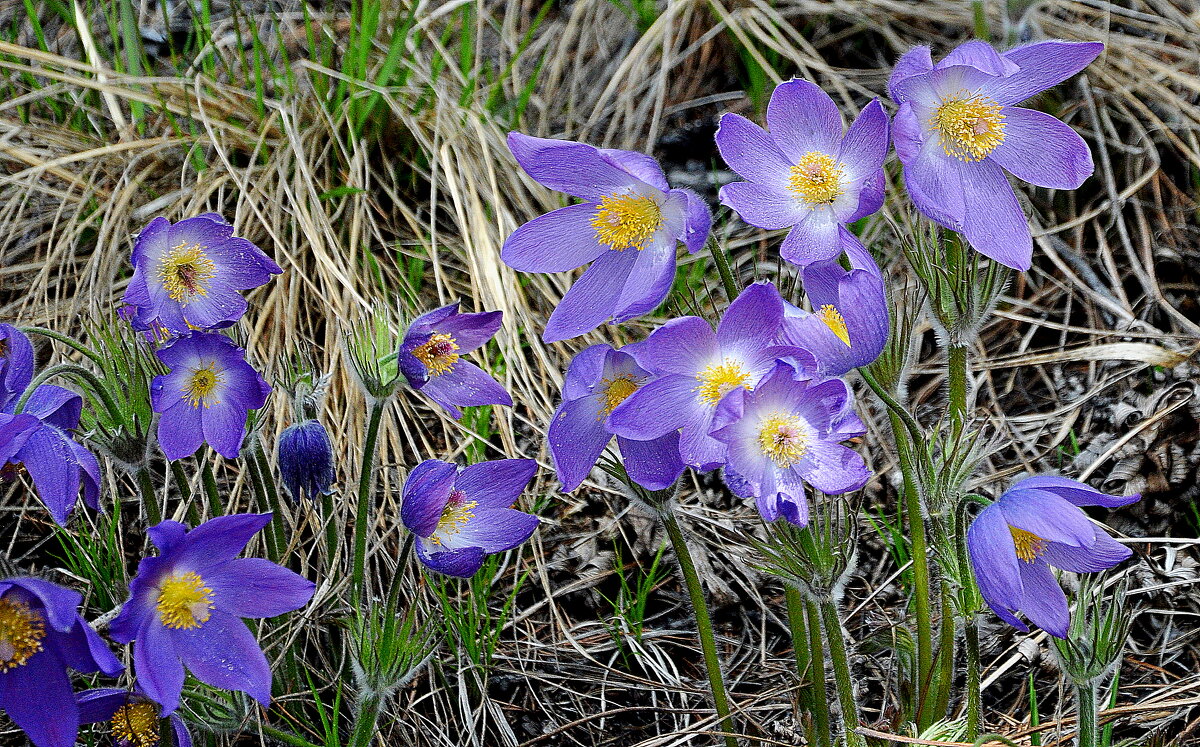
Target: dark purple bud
(306,460)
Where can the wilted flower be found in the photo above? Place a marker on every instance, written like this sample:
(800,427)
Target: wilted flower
(306,460)
(627,204)
(188,275)
(1036,524)
(957,132)
(461,517)
(56,463)
(696,367)
(598,379)
(41,633)
(184,608)
(786,432)
(804,173)
(431,358)
(133,717)
(206,395)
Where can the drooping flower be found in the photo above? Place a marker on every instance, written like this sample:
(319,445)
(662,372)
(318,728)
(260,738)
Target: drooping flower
(628,226)
(57,464)
(206,395)
(804,173)
(598,379)
(958,131)
(695,367)
(431,358)
(1035,525)
(41,634)
(461,517)
(786,432)
(133,718)
(306,460)
(185,606)
(188,275)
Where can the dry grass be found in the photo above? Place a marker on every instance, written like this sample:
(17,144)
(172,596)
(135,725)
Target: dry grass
(1091,354)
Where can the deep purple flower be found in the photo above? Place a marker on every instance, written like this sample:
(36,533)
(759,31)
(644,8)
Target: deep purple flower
(206,395)
(431,358)
(695,367)
(804,173)
(460,517)
(786,432)
(184,608)
(1036,524)
(627,204)
(598,379)
(38,440)
(134,719)
(306,460)
(957,132)
(41,634)
(188,275)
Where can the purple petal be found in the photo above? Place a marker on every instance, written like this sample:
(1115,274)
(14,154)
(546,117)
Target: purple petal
(1076,492)
(256,587)
(649,280)
(812,240)
(658,408)
(866,143)
(994,559)
(1046,515)
(1043,151)
(697,448)
(1042,65)
(763,206)
(426,492)
(697,221)
(466,385)
(558,241)
(870,197)
(1043,601)
(833,469)
(154,234)
(578,169)
(52,467)
(494,529)
(752,153)
(223,653)
(182,737)
(224,427)
(932,178)
(166,535)
(180,431)
(1101,555)
(498,483)
(592,299)
(642,166)
(85,651)
(576,437)
(981,55)
(471,331)
(994,222)
(802,118)
(754,317)
(684,345)
(461,563)
(60,604)
(98,705)
(585,371)
(159,670)
(54,405)
(37,696)
(915,61)
(217,541)
(654,464)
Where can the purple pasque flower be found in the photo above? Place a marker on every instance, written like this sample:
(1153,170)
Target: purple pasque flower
(628,225)
(41,634)
(206,395)
(133,718)
(185,606)
(305,457)
(958,131)
(1036,524)
(188,275)
(598,380)
(786,432)
(431,358)
(695,367)
(461,517)
(804,173)
(39,439)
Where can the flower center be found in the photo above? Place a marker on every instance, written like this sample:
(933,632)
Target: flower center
(970,126)
(199,387)
(616,391)
(455,515)
(626,220)
(184,601)
(437,354)
(1029,545)
(835,321)
(783,439)
(185,271)
(817,179)
(135,725)
(720,379)
(21,633)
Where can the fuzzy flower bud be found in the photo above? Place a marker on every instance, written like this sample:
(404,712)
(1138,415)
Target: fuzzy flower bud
(306,460)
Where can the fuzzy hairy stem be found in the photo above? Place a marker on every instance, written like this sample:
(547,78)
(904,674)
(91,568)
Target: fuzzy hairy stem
(726,272)
(816,649)
(149,496)
(365,484)
(1085,701)
(839,656)
(974,671)
(957,371)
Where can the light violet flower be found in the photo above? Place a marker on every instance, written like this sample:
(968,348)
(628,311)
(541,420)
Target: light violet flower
(958,131)
(804,173)
(628,226)
(1036,524)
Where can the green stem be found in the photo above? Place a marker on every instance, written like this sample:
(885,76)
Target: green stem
(979,16)
(795,612)
(816,649)
(331,530)
(704,626)
(210,488)
(956,373)
(365,720)
(945,656)
(67,340)
(894,407)
(149,496)
(726,272)
(85,376)
(974,670)
(185,492)
(838,656)
(1085,702)
(365,484)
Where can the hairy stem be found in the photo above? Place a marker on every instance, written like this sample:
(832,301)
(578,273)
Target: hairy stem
(726,272)
(840,658)
(1085,702)
(83,376)
(957,374)
(816,648)
(67,340)
(974,667)
(944,667)
(365,484)
(149,496)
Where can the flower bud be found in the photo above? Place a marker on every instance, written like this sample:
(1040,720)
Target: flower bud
(306,460)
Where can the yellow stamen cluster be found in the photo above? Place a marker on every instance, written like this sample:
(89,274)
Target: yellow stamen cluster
(783,439)
(817,179)
(185,271)
(455,516)
(615,391)
(835,321)
(184,601)
(626,220)
(720,379)
(437,354)
(22,631)
(1029,545)
(136,724)
(199,387)
(970,126)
